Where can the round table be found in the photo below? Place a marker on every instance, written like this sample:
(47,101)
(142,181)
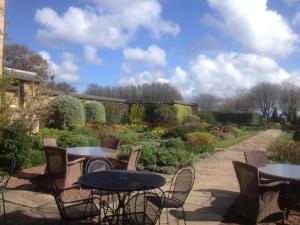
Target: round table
(281,172)
(89,152)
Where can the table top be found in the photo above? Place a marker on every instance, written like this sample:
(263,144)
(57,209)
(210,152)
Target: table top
(122,180)
(92,152)
(281,171)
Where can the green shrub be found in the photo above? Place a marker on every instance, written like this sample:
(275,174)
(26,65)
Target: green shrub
(296,136)
(207,117)
(181,112)
(148,156)
(273,125)
(15,144)
(85,131)
(65,112)
(181,131)
(37,158)
(285,151)
(94,113)
(129,136)
(191,119)
(200,142)
(173,143)
(165,114)
(137,114)
(167,157)
(235,131)
(115,112)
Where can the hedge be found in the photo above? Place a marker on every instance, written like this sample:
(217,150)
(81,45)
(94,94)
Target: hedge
(116,112)
(94,112)
(238,118)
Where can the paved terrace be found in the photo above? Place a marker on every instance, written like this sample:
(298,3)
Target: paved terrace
(214,191)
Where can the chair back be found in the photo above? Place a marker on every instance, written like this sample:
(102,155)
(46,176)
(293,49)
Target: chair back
(142,208)
(6,169)
(182,183)
(134,157)
(256,158)
(50,142)
(248,179)
(110,142)
(98,164)
(57,197)
(56,160)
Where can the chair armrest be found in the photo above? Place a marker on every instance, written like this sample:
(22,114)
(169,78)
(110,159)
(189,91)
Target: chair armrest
(75,161)
(273,184)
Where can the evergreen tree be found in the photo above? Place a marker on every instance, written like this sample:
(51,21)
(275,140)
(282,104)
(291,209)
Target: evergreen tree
(274,117)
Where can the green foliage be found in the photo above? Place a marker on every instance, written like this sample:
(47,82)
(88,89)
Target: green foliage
(181,131)
(115,112)
(149,154)
(237,118)
(173,143)
(200,142)
(275,117)
(94,112)
(191,119)
(273,125)
(126,137)
(181,112)
(207,117)
(15,144)
(37,158)
(165,114)
(65,112)
(285,151)
(137,114)
(296,136)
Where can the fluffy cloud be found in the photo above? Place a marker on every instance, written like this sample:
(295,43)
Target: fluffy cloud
(104,24)
(142,78)
(152,56)
(253,25)
(67,71)
(226,73)
(90,54)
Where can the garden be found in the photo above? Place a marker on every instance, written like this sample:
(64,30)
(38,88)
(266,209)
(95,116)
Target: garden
(171,135)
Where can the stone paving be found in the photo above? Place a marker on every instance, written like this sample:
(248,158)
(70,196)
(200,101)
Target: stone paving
(214,191)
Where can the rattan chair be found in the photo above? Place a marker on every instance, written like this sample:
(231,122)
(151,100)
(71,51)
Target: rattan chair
(74,210)
(132,161)
(5,173)
(51,142)
(139,209)
(257,200)
(256,158)
(110,142)
(64,173)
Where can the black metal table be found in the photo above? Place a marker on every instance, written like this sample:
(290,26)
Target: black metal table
(281,172)
(89,152)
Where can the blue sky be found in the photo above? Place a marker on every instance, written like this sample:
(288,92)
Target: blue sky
(212,46)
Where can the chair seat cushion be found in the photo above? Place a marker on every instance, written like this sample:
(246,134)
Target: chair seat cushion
(82,210)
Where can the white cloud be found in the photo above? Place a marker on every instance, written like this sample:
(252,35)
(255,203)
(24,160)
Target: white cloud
(152,56)
(67,71)
(108,24)
(90,54)
(226,73)
(253,25)
(142,78)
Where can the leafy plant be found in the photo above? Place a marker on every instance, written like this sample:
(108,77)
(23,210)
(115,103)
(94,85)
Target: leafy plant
(66,112)
(115,112)
(207,117)
(191,119)
(94,112)
(181,131)
(200,142)
(181,112)
(137,114)
(165,114)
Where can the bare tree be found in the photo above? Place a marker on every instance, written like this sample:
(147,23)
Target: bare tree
(61,86)
(239,102)
(289,100)
(207,102)
(154,91)
(264,96)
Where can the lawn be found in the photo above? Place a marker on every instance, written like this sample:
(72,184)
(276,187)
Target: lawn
(234,140)
(285,136)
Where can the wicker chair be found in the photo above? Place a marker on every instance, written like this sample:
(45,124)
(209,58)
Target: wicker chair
(74,210)
(132,161)
(5,173)
(110,142)
(51,142)
(256,158)
(256,200)
(138,210)
(64,174)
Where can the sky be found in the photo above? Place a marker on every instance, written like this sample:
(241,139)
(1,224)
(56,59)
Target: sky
(219,47)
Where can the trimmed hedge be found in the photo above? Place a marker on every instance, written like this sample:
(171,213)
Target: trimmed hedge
(238,118)
(94,112)
(65,112)
(116,112)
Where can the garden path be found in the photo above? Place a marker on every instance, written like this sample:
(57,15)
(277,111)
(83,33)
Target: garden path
(214,191)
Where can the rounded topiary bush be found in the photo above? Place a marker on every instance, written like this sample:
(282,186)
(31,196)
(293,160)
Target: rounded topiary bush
(65,112)
(94,113)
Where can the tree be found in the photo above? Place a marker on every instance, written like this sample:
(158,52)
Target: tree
(237,103)
(20,57)
(289,100)
(207,102)
(264,97)
(274,116)
(61,86)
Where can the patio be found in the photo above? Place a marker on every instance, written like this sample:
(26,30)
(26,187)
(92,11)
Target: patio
(214,191)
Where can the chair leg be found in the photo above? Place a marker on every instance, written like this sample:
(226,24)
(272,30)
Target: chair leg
(167,213)
(184,219)
(3,203)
